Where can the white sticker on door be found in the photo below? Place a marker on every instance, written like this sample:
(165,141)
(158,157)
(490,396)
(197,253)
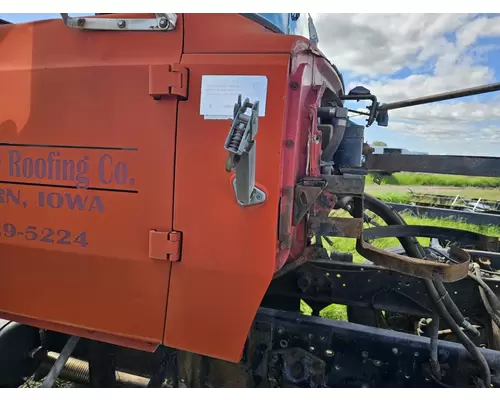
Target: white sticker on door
(219,94)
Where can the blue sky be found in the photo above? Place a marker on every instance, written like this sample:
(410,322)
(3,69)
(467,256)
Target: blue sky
(399,56)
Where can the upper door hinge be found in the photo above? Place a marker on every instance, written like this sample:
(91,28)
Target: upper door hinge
(168,80)
(161,22)
(165,245)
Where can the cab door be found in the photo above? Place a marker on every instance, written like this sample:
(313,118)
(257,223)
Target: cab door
(87,144)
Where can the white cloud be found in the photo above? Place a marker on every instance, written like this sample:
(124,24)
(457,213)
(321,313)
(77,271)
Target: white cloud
(373,44)
(480,27)
(416,85)
(401,56)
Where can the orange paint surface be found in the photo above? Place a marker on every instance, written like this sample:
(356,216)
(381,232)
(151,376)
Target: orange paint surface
(229,251)
(89,92)
(89,103)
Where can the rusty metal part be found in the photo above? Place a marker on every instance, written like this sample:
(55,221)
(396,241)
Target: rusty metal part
(286,218)
(367,149)
(453,165)
(77,371)
(417,267)
(345,184)
(310,253)
(309,190)
(58,366)
(484,262)
(324,204)
(336,226)
(479,241)
(304,197)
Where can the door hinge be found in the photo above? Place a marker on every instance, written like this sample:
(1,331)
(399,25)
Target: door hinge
(168,80)
(165,245)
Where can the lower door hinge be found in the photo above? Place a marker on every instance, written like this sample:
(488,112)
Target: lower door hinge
(168,80)
(165,245)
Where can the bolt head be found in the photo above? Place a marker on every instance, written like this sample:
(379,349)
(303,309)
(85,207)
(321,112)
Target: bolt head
(289,143)
(163,23)
(81,21)
(122,24)
(294,85)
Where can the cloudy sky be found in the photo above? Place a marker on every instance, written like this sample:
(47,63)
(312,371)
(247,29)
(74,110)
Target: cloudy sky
(399,56)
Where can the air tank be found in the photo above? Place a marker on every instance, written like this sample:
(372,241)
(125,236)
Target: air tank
(349,153)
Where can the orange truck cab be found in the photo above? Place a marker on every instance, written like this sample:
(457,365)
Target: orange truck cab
(119,219)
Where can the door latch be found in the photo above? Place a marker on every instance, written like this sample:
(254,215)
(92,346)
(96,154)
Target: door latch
(241,145)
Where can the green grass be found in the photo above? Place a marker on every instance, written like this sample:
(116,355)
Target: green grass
(345,245)
(469,192)
(333,311)
(395,197)
(412,179)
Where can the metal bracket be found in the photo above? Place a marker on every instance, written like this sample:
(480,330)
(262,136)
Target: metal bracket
(304,197)
(257,196)
(161,22)
(337,227)
(463,237)
(414,266)
(241,145)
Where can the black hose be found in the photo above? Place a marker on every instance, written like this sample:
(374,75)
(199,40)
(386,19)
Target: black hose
(462,337)
(334,142)
(434,332)
(493,297)
(487,305)
(413,249)
(453,309)
(487,296)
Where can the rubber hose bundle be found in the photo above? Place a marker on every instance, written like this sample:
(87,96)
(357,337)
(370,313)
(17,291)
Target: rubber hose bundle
(488,297)
(443,304)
